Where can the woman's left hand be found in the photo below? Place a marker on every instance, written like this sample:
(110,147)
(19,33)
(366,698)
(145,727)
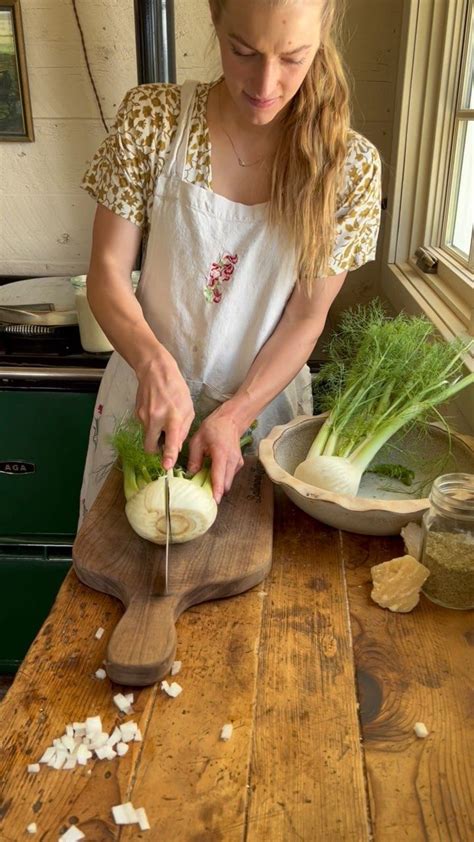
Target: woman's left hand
(219,438)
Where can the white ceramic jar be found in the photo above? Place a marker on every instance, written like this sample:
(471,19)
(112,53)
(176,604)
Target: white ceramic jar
(93,338)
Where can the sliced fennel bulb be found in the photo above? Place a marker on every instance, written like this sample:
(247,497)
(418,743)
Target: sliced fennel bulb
(192,507)
(382,375)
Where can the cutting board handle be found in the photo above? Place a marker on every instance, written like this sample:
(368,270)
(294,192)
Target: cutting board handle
(144,641)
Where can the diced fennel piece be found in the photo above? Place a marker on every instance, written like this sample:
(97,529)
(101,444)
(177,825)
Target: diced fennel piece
(48,754)
(124,813)
(226,731)
(114,737)
(138,736)
(128,731)
(99,740)
(34,768)
(173,689)
(93,725)
(105,753)
(32,828)
(420,730)
(59,760)
(176,667)
(121,749)
(142,818)
(100,674)
(122,703)
(100,631)
(68,742)
(72,834)
(83,755)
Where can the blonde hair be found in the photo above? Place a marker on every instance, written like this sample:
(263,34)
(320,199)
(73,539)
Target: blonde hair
(308,164)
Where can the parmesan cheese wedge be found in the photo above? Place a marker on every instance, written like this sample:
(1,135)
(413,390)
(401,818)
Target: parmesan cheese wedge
(397,583)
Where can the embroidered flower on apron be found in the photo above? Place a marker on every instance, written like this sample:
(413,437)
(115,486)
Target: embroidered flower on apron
(95,424)
(220,273)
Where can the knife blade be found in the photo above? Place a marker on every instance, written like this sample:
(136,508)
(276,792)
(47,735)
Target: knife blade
(168,531)
(161,584)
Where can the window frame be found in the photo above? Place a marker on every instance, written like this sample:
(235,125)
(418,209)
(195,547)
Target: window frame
(463,113)
(427,88)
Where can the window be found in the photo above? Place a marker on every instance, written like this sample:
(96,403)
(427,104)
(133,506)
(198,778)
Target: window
(458,229)
(429,245)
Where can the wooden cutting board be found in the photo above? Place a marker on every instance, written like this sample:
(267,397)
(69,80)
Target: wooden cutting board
(233,556)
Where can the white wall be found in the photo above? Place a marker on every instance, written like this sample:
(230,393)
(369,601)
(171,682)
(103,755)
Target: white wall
(45,217)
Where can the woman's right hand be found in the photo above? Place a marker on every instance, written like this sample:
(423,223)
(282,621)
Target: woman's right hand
(163,405)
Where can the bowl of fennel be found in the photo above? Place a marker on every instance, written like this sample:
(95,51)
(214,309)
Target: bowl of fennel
(366,464)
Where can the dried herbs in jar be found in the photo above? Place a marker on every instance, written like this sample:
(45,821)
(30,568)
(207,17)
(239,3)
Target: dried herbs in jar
(448,542)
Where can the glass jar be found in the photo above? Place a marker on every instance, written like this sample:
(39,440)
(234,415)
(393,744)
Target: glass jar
(448,542)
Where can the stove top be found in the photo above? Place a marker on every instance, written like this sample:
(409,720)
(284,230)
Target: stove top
(47,347)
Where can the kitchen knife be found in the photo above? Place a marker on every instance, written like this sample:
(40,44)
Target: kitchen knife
(161,586)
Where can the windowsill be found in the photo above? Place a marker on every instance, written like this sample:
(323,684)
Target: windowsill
(406,290)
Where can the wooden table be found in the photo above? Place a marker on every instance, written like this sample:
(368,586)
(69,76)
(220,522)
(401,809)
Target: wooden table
(322,686)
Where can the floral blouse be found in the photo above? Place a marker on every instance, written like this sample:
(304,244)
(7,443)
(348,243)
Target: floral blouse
(123,172)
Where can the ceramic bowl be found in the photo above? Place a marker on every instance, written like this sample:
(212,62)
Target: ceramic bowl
(381,506)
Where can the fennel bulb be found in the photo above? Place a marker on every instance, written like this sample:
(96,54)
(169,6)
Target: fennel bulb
(383,374)
(334,473)
(193,509)
(192,506)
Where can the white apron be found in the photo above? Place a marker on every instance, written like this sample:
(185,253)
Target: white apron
(214,284)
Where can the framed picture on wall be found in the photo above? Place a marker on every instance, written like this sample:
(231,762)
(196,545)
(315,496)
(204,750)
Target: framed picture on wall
(15,109)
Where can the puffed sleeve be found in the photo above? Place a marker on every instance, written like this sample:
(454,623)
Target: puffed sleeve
(358,214)
(123,171)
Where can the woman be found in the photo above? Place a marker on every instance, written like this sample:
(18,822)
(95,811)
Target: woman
(253,199)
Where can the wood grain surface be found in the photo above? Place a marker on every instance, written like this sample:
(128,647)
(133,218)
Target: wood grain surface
(278,662)
(306,772)
(415,667)
(233,556)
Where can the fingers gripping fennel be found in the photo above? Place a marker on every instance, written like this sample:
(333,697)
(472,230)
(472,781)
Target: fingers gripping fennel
(382,375)
(193,509)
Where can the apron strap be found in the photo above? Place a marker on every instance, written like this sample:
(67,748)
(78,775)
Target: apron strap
(176,160)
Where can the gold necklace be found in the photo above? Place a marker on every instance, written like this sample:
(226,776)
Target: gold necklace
(240,162)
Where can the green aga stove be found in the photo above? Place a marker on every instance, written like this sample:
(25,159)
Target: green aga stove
(48,388)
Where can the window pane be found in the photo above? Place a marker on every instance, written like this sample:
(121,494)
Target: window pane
(467,100)
(461,200)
